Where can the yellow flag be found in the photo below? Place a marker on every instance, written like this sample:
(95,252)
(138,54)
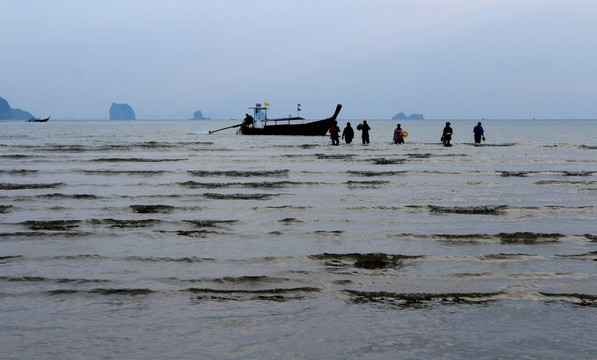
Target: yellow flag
(265,104)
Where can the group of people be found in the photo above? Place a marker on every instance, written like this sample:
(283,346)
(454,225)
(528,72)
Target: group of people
(478,132)
(348,133)
(399,134)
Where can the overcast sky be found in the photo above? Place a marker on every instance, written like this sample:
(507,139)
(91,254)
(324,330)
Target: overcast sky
(443,58)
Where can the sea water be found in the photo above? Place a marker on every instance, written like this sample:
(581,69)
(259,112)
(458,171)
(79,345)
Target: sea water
(154,239)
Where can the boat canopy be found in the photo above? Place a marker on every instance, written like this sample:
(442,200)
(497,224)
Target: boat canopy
(258,109)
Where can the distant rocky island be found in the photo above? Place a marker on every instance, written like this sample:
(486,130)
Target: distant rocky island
(198,115)
(8,113)
(403,116)
(121,112)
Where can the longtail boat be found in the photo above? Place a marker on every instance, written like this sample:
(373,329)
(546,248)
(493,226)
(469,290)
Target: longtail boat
(38,119)
(296,126)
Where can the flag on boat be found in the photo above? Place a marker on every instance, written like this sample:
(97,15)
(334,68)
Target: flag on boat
(298,107)
(265,104)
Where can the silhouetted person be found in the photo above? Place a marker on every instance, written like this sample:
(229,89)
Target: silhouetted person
(348,133)
(364,127)
(248,121)
(447,135)
(479,133)
(335,133)
(398,136)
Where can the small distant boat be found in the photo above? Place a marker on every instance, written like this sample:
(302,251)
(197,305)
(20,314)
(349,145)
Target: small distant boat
(39,120)
(285,126)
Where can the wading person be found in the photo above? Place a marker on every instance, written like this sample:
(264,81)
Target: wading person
(364,128)
(398,135)
(335,133)
(348,133)
(447,135)
(479,133)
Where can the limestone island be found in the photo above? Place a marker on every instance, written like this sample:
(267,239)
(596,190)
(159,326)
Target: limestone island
(403,116)
(121,112)
(8,113)
(198,115)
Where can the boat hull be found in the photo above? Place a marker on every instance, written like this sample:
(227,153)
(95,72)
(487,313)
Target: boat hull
(313,128)
(39,120)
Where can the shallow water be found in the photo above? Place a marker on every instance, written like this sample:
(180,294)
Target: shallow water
(151,239)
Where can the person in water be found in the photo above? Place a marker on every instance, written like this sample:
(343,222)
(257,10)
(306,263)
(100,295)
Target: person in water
(335,133)
(248,121)
(479,133)
(348,133)
(398,136)
(364,127)
(447,135)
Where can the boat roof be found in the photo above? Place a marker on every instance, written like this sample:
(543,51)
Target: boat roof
(258,108)
(286,118)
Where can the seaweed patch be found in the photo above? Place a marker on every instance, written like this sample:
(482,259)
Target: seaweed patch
(420,299)
(472,210)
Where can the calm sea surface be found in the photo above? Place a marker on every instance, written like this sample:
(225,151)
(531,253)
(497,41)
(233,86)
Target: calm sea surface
(153,239)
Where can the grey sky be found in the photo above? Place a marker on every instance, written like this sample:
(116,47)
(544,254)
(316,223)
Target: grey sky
(443,58)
